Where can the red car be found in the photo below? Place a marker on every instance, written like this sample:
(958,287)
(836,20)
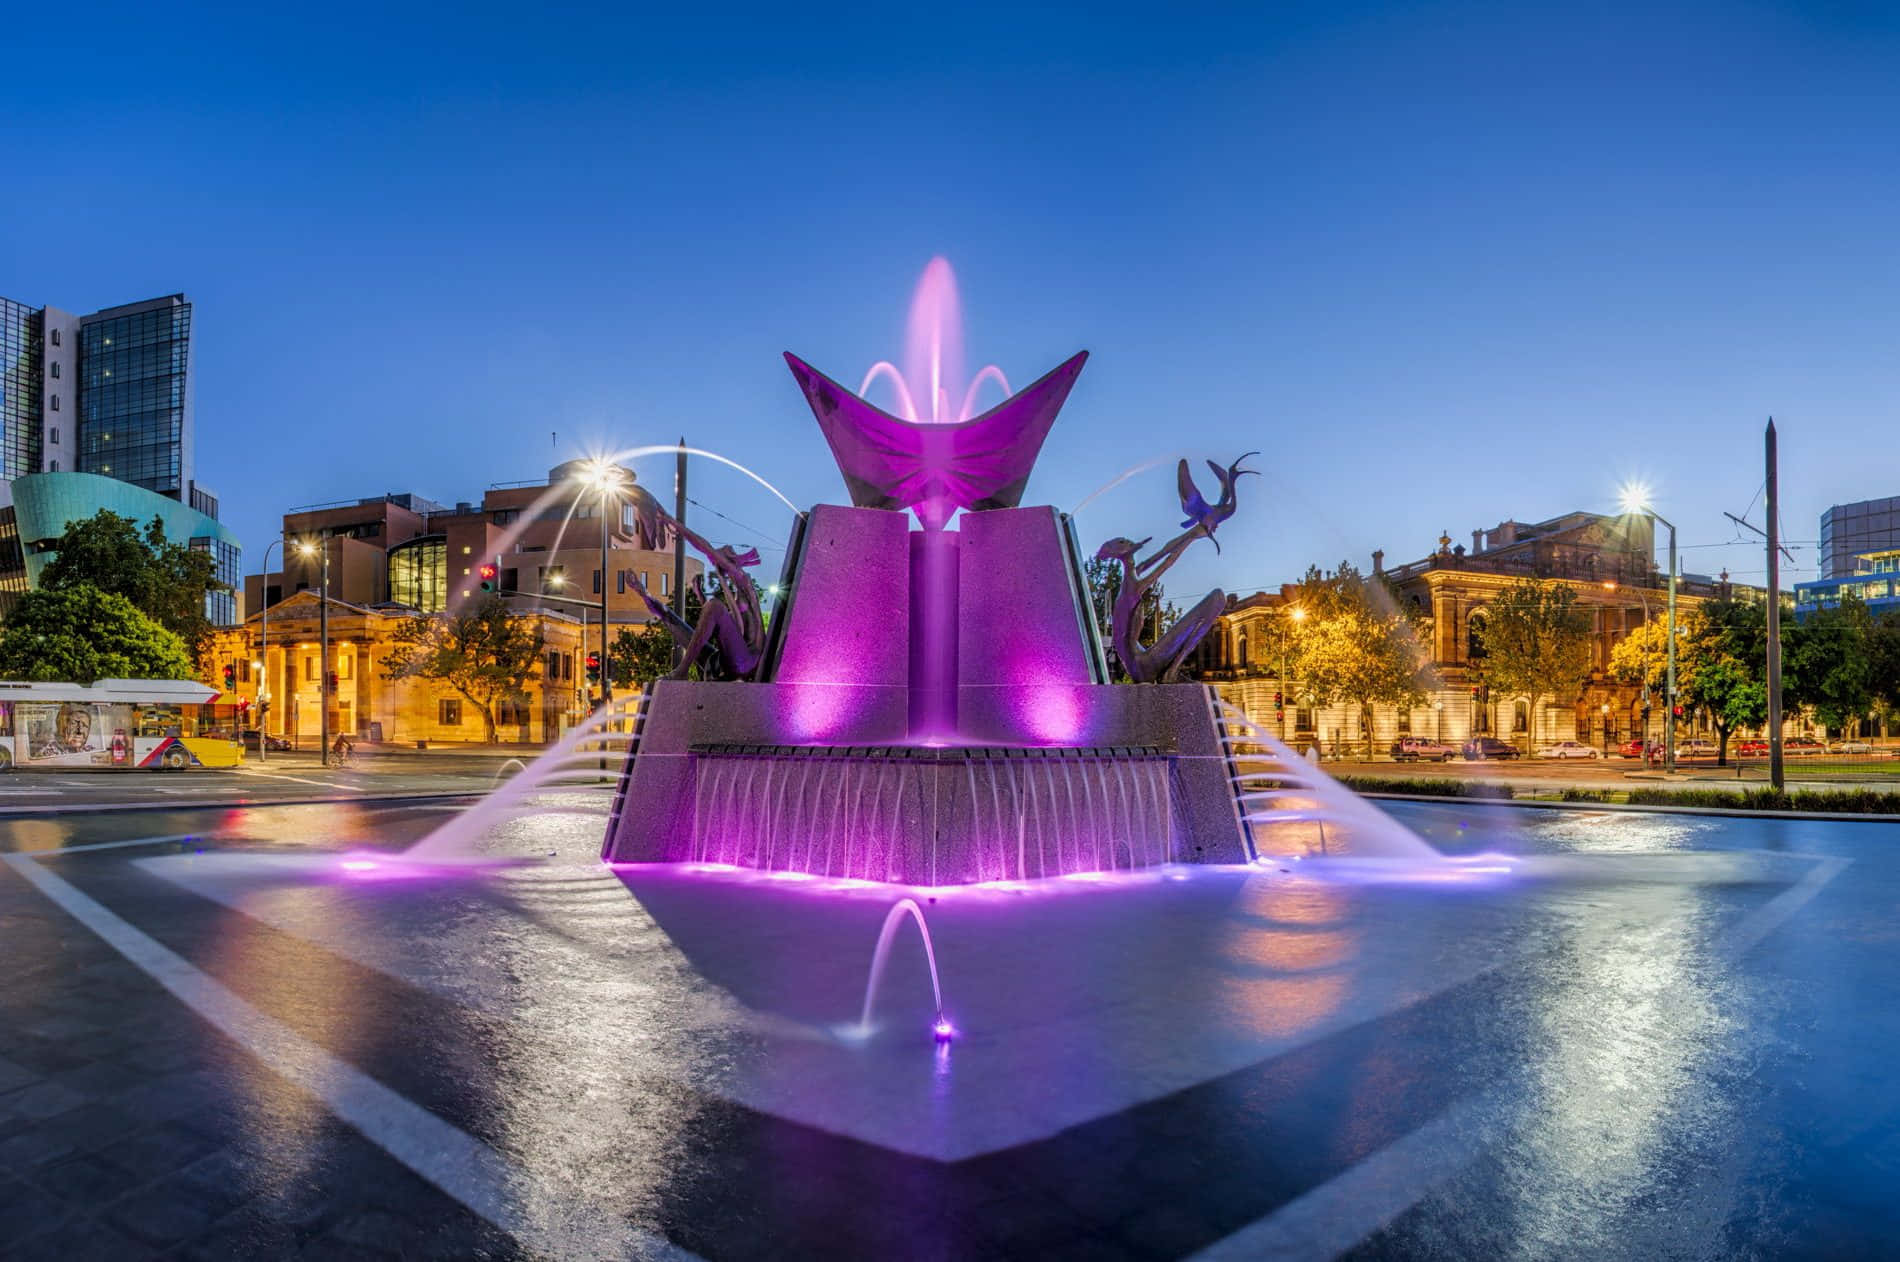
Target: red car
(1632,748)
(1753,747)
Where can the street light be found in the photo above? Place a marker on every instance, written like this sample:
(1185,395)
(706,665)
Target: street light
(1297,614)
(263,651)
(606,478)
(1636,500)
(310,549)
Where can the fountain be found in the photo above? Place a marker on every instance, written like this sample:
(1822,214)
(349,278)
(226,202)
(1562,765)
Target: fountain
(932,705)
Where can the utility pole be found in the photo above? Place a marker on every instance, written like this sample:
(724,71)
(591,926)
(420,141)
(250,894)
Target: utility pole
(1775,768)
(679,543)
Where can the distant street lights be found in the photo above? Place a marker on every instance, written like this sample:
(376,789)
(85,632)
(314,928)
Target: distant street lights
(1636,500)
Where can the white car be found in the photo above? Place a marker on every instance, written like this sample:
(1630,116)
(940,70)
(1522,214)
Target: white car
(1696,748)
(1853,747)
(1570,749)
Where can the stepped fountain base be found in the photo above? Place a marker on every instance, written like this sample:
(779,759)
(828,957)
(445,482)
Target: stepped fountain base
(1145,781)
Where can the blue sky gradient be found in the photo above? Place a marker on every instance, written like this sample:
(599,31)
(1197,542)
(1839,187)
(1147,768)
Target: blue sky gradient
(1442,263)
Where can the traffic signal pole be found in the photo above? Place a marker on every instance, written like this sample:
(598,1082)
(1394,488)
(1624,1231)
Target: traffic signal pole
(1775,768)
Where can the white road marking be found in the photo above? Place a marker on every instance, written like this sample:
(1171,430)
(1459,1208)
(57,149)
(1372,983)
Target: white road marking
(1325,1221)
(321,784)
(447,1156)
(1776,912)
(106,845)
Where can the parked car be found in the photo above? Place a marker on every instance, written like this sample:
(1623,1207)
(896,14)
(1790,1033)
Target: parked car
(1852,747)
(1635,747)
(1805,745)
(1753,747)
(1415,748)
(1570,749)
(272,744)
(1696,748)
(1485,747)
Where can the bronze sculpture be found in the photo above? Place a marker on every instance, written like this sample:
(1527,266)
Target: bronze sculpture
(1161,661)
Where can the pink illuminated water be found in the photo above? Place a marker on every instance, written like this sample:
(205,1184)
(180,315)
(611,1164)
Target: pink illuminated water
(931,385)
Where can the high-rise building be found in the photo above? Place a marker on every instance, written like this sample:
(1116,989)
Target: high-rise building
(1850,531)
(96,410)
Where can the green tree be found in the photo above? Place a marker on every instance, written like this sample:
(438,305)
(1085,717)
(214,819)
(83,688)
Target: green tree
(1537,644)
(1883,665)
(1355,646)
(1728,647)
(165,580)
(79,634)
(642,656)
(481,652)
(1826,664)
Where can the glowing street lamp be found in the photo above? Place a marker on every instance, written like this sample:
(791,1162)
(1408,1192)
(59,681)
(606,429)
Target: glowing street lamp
(1635,497)
(605,478)
(312,548)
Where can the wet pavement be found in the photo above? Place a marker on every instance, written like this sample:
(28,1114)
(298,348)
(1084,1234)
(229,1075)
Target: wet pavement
(1642,1036)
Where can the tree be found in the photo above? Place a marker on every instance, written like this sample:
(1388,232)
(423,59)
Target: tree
(481,652)
(1537,644)
(165,580)
(1728,682)
(1825,662)
(1883,665)
(1355,646)
(640,657)
(79,634)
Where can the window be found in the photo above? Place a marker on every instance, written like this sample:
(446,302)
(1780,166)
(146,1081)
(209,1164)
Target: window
(451,715)
(55,370)
(343,664)
(567,666)
(1474,636)
(596,582)
(1240,651)
(465,552)
(1405,722)
(53,437)
(310,669)
(666,583)
(554,664)
(56,337)
(55,468)
(55,403)
(620,582)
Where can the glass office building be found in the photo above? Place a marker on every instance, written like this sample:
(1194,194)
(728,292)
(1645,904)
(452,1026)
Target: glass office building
(101,406)
(135,399)
(1850,531)
(22,369)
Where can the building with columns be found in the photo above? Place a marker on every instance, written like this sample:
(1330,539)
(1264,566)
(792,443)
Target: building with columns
(1607,560)
(276,654)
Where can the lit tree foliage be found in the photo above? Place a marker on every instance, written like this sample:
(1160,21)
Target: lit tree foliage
(642,656)
(164,580)
(1537,644)
(481,652)
(80,634)
(1354,646)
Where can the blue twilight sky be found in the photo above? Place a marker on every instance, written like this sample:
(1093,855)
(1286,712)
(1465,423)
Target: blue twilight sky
(1444,263)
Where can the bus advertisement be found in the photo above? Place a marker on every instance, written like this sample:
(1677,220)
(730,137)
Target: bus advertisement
(115,724)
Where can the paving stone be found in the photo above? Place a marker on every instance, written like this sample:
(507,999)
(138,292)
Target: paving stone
(32,1147)
(81,1240)
(155,1153)
(40,1101)
(92,1126)
(164,1213)
(26,1211)
(13,1077)
(84,1182)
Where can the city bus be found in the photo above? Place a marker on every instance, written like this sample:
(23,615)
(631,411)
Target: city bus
(114,723)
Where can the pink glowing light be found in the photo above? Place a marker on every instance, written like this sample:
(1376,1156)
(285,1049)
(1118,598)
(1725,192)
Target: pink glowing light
(943,1030)
(359,865)
(932,375)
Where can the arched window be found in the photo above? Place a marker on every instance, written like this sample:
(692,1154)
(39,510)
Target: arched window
(1240,651)
(1475,626)
(1521,717)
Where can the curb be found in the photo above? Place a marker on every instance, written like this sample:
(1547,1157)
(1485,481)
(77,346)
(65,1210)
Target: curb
(220,804)
(1848,817)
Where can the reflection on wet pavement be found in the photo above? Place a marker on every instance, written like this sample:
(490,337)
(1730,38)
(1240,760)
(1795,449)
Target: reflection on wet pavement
(1144,1064)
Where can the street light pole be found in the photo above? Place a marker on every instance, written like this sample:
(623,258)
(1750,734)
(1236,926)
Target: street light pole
(606,667)
(263,652)
(1636,500)
(322,548)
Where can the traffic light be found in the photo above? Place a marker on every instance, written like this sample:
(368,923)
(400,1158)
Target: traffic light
(593,668)
(230,676)
(491,577)
(1279,701)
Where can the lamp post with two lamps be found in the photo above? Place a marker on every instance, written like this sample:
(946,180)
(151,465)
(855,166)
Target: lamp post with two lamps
(1635,498)
(607,478)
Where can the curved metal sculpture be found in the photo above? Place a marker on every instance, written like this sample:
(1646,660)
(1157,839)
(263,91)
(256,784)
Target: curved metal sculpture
(728,642)
(1161,661)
